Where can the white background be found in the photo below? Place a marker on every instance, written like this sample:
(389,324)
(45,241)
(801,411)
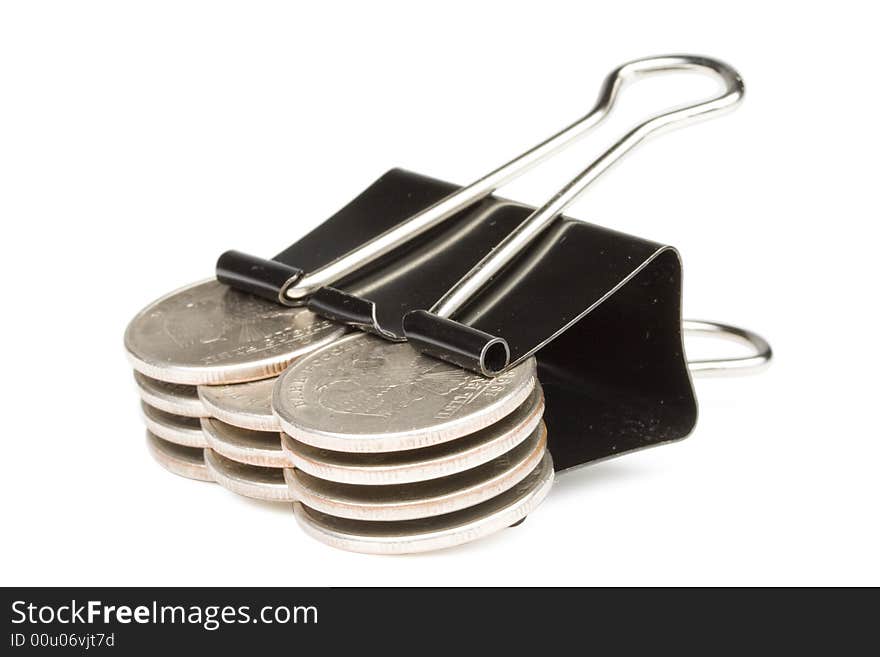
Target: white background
(139,140)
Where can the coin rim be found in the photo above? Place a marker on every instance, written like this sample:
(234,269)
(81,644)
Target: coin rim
(151,391)
(398,440)
(440,538)
(258,490)
(475,492)
(181,435)
(415,471)
(239,419)
(164,454)
(261,457)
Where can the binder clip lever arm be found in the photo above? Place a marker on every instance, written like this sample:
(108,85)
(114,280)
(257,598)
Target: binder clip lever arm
(492,356)
(333,251)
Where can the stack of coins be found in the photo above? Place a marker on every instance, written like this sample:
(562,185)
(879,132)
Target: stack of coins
(244,453)
(396,452)
(380,448)
(206,358)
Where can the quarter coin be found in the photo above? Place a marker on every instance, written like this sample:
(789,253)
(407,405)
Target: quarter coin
(437,532)
(262,448)
(248,480)
(186,462)
(245,405)
(170,397)
(423,499)
(208,333)
(420,464)
(366,394)
(177,429)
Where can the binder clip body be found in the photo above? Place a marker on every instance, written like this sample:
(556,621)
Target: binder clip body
(486,283)
(376,296)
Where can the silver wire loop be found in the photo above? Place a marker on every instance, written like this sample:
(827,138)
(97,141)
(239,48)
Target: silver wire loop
(515,242)
(422,221)
(734,366)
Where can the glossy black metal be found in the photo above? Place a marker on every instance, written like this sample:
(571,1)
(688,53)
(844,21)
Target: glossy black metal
(462,345)
(264,278)
(387,202)
(600,310)
(416,274)
(616,380)
(377,297)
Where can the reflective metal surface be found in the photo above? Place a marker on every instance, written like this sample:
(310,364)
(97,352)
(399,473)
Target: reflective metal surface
(177,429)
(186,462)
(174,398)
(364,394)
(733,366)
(262,448)
(433,462)
(514,243)
(299,287)
(423,499)
(437,532)
(245,405)
(208,333)
(265,484)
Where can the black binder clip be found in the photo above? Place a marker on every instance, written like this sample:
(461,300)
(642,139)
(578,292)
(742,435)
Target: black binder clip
(485,283)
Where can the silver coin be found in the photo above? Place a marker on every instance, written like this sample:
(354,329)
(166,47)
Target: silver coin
(245,405)
(210,333)
(423,499)
(262,448)
(186,462)
(365,394)
(248,480)
(420,464)
(178,429)
(170,397)
(437,532)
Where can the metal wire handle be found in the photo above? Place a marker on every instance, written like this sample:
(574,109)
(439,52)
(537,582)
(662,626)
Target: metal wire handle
(728,366)
(529,229)
(297,289)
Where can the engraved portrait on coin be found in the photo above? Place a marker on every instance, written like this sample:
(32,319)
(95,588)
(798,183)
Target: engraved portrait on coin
(382,386)
(365,394)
